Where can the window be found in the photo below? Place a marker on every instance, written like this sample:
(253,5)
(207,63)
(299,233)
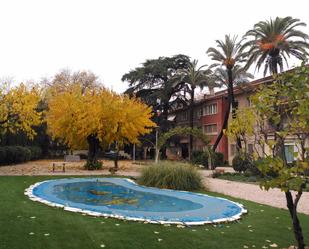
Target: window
(210,129)
(236,106)
(183,116)
(210,109)
(233,149)
(199,112)
(289,153)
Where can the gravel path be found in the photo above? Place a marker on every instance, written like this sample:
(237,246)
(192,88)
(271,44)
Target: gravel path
(246,191)
(252,192)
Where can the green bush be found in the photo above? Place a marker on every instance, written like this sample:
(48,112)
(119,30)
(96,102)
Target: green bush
(93,165)
(218,159)
(3,152)
(36,152)
(201,158)
(241,163)
(22,154)
(11,154)
(18,154)
(171,176)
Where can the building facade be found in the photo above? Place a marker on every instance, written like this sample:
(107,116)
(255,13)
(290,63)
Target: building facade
(209,115)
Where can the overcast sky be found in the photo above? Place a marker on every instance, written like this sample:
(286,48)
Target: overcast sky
(40,37)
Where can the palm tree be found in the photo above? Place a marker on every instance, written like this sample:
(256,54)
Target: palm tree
(193,77)
(274,41)
(240,76)
(229,53)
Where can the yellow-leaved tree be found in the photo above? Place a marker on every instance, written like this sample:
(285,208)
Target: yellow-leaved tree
(18,110)
(96,117)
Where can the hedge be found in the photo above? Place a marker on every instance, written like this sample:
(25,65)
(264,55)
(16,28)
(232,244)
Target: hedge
(19,154)
(201,158)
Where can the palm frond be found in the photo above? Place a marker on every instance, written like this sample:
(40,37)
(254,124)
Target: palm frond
(271,41)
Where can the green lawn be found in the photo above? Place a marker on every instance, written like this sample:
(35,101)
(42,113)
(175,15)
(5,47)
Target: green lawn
(20,230)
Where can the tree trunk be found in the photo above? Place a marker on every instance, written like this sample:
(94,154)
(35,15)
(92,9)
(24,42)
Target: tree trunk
(224,126)
(164,122)
(191,114)
(274,66)
(164,127)
(231,102)
(157,156)
(279,152)
(93,143)
(292,206)
(116,160)
(234,104)
(157,148)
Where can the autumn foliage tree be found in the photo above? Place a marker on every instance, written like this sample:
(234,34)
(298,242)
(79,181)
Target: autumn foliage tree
(96,117)
(18,110)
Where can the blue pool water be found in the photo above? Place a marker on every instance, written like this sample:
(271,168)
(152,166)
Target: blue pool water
(122,197)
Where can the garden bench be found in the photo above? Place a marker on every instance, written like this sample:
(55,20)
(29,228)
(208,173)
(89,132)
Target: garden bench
(55,164)
(67,159)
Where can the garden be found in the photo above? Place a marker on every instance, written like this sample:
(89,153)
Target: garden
(160,204)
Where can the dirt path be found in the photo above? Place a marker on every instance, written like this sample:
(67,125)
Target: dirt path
(44,167)
(246,191)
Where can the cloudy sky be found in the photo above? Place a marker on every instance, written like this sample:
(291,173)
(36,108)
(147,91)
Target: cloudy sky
(40,37)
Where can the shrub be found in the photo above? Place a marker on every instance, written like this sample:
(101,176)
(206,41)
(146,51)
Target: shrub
(93,165)
(241,163)
(18,154)
(199,158)
(10,155)
(171,176)
(22,154)
(218,159)
(3,152)
(248,173)
(254,168)
(36,152)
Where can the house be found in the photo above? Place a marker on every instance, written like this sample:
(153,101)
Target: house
(209,115)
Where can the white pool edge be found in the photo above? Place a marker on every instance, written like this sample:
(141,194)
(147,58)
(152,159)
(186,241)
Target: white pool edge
(29,192)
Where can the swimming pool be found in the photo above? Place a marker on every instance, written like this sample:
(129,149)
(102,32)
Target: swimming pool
(124,199)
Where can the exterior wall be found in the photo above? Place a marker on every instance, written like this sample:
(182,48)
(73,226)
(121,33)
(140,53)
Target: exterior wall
(217,119)
(290,141)
(200,121)
(227,146)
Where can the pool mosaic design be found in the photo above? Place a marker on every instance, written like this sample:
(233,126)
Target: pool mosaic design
(124,199)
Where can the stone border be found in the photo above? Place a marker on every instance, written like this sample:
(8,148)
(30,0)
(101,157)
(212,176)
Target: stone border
(29,192)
